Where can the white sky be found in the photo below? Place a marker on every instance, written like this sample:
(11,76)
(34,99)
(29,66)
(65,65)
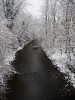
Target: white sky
(34,7)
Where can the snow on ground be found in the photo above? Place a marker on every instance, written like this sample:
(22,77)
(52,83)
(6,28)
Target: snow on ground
(60,61)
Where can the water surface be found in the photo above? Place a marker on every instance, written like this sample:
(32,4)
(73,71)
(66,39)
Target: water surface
(39,79)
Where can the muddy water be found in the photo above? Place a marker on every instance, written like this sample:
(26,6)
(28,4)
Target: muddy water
(39,79)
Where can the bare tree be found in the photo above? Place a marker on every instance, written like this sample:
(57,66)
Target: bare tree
(69,17)
(11,9)
(46,16)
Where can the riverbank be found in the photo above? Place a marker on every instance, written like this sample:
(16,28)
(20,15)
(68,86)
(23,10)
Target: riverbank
(60,61)
(7,70)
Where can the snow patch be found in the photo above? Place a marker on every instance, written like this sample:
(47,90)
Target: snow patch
(60,61)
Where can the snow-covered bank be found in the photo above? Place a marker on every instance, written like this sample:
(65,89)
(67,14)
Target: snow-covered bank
(7,44)
(11,57)
(8,47)
(60,61)
(6,69)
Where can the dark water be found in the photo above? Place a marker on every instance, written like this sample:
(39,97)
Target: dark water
(39,80)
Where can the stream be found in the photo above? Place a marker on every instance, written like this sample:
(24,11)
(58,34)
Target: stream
(38,79)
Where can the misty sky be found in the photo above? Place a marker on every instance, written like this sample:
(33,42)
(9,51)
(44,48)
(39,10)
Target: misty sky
(34,7)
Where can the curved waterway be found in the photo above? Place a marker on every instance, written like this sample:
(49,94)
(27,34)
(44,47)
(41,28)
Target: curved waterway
(38,78)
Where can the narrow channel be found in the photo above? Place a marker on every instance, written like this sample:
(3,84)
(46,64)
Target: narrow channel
(39,79)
